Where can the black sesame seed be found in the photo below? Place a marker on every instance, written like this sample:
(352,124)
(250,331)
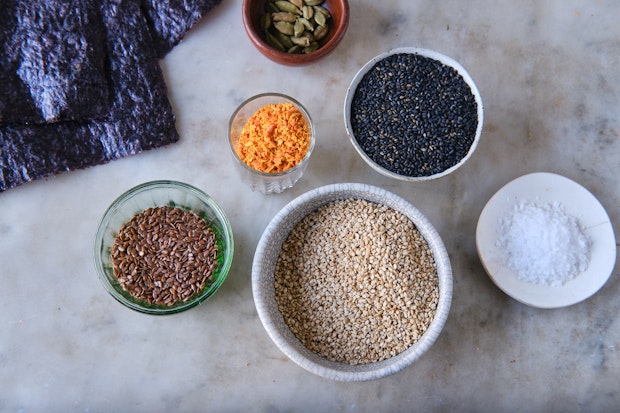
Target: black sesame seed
(413,115)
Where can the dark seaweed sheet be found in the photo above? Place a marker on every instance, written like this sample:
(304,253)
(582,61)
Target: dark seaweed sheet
(52,69)
(140,116)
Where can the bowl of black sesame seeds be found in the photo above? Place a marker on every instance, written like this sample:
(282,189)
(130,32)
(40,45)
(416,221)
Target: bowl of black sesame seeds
(163,247)
(351,282)
(413,114)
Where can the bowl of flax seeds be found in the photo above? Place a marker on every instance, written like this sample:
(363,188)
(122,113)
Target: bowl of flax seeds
(351,282)
(163,247)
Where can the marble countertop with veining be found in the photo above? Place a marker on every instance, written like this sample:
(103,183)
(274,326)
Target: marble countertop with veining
(548,75)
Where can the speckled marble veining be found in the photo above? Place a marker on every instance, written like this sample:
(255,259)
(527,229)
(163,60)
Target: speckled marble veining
(548,76)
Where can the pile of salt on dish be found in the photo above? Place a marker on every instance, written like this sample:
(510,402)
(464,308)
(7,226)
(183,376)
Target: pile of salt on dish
(543,244)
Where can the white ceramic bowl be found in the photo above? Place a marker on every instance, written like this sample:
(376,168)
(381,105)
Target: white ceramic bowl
(264,264)
(445,60)
(548,188)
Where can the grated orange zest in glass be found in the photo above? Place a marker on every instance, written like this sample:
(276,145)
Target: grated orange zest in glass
(275,138)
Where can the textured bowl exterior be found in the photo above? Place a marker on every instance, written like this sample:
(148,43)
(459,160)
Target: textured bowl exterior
(426,53)
(263,269)
(252,11)
(157,194)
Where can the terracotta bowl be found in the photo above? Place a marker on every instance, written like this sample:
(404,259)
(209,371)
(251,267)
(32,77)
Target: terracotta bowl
(254,9)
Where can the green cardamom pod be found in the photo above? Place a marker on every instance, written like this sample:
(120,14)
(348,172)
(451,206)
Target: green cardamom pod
(283,16)
(307,12)
(323,11)
(320,32)
(312,48)
(275,43)
(266,21)
(301,41)
(287,6)
(284,27)
(271,7)
(307,24)
(284,39)
(320,19)
(298,28)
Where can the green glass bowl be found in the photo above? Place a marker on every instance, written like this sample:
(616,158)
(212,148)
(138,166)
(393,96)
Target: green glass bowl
(159,194)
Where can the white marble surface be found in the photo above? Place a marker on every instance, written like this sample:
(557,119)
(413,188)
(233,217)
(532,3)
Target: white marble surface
(548,74)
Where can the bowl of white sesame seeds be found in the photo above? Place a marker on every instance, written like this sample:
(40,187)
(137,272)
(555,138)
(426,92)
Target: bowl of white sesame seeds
(163,247)
(351,282)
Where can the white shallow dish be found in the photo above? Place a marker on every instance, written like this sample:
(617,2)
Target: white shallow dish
(544,188)
(266,257)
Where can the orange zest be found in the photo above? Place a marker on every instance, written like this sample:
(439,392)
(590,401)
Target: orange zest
(275,138)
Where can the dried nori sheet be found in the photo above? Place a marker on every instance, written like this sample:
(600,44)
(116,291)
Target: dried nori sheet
(140,116)
(170,20)
(53,68)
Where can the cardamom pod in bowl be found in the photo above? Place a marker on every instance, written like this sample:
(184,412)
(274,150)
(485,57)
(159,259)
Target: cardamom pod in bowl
(295,32)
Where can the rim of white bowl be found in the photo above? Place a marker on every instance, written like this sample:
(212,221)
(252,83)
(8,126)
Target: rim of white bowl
(262,282)
(446,60)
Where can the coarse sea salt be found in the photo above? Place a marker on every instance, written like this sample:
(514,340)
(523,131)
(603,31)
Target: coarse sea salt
(543,244)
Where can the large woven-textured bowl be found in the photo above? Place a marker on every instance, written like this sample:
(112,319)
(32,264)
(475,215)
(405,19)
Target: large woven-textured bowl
(264,264)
